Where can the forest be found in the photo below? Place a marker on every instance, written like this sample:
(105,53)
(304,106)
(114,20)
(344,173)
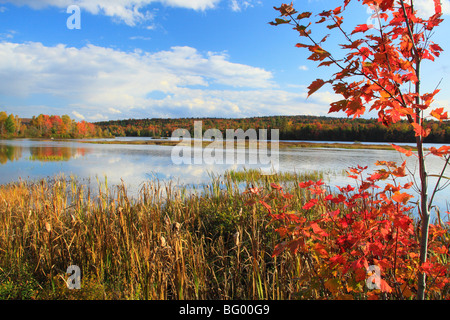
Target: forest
(47,126)
(298,127)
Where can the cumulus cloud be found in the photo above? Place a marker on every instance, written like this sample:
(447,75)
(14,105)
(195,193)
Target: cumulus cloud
(97,83)
(129,11)
(238,5)
(78,115)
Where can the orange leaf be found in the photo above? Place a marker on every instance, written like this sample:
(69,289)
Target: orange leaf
(401,197)
(400,171)
(444,150)
(406,152)
(407,293)
(420,131)
(344,297)
(439,114)
(332,285)
(372,296)
(384,286)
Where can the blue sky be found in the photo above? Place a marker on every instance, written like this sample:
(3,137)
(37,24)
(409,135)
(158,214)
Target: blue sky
(169,58)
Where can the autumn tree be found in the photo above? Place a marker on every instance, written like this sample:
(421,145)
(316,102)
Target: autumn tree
(67,124)
(10,124)
(380,71)
(3,117)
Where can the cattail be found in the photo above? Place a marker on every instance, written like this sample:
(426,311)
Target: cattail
(163,241)
(176,226)
(167,220)
(236,238)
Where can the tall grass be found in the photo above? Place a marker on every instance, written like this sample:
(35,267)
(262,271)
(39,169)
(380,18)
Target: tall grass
(166,243)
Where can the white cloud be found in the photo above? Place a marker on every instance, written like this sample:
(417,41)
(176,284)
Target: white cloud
(129,11)
(303,68)
(78,115)
(112,110)
(140,38)
(426,8)
(8,35)
(97,82)
(238,5)
(187,62)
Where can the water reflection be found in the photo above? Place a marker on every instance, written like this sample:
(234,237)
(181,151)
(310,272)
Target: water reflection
(55,153)
(136,164)
(10,153)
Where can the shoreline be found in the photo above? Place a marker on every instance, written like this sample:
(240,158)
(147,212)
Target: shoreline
(281,143)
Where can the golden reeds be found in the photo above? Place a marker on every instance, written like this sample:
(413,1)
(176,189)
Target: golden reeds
(165,243)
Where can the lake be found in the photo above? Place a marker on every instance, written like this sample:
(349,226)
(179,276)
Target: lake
(135,164)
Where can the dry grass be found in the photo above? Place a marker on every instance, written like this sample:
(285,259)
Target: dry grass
(167,243)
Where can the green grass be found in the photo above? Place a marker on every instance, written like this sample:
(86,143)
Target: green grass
(48,158)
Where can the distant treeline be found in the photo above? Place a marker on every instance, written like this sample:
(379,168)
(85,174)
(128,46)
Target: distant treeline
(291,128)
(45,126)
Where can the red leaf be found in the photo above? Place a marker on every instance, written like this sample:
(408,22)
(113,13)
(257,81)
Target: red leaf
(310,204)
(318,230)
(426,267)
(438,6)
(436,47)
(361,28)
(434,21)
(287,196)
(338,106)
(316,85)
(326,63)
(276,186)
(269,208)
(305,184)
(302,45)
(304,15)
(279,248)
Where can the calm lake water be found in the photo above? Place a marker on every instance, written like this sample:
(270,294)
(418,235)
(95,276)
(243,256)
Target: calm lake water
(135,164)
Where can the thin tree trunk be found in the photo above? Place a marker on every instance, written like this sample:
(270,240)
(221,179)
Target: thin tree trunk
(425,222)
(424,212)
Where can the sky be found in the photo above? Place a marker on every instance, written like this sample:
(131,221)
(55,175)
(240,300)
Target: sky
(171,58)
